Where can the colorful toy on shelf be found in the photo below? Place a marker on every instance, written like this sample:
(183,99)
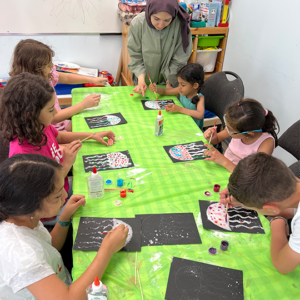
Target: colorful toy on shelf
(133,6)
(106,74)
(224,22)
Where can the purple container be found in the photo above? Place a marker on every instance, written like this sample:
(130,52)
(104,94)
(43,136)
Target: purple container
(212,251)
(224,245)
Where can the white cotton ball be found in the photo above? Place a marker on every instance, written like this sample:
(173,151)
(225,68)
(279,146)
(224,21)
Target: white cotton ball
(117,222)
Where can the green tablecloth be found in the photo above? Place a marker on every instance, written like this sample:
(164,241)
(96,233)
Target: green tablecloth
(165,187)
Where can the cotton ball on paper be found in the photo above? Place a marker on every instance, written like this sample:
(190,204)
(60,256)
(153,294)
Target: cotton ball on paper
(116,223)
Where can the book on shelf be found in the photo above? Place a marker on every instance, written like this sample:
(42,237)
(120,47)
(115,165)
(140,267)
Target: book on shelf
(80,71)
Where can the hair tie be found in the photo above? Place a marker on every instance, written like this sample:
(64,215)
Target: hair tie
(266,112)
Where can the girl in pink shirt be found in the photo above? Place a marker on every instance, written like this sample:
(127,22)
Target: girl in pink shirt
(27,108)
(252,128)
(36,58)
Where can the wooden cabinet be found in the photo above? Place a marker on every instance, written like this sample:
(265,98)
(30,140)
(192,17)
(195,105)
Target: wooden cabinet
(125,75)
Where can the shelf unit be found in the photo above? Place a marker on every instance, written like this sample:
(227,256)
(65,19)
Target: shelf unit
(125,75)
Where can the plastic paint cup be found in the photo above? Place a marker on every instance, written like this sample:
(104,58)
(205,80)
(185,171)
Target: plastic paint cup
(120,182)
(123,193)
(224,245)
(110,142)
(216,188)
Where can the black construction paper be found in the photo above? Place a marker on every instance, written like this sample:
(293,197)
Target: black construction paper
(169,229)
(105,120)
(186,152)
(156,104)
(107,161)
(199,281)
(90,233)
(240,219)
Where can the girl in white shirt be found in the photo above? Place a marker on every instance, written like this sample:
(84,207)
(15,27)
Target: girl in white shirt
(31,188)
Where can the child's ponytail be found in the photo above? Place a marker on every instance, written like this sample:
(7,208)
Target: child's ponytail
(193,73)
(248,115)
(271,125)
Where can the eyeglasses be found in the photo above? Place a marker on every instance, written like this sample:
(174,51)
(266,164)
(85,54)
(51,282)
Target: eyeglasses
(244,132)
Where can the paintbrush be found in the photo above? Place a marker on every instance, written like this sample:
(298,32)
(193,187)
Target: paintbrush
(152,83)
(212,133)
(226,212)
(88,137)
(105,232)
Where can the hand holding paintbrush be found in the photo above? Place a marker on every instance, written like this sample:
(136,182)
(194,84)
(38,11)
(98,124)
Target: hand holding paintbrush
(152,84)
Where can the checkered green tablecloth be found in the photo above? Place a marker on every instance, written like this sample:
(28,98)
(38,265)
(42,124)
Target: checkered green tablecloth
(165,187)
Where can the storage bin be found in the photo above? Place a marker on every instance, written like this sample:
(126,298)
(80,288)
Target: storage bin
(209,41)
(207,58)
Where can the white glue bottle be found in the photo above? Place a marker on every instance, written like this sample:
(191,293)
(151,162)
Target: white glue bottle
(95,185)
(159,124)
(97,290)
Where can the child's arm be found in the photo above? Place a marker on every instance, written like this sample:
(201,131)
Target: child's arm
(68,78)
(162,91)
(52,287)
(284,259)
(68,137)
(196,114)
(59,233)
(89,101)
(267,146)
(218,158)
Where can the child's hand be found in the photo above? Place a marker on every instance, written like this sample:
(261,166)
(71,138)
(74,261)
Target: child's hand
(211,131)
(214,155)
(70,151)
(115,240)
(226,198)
(173,108)
(99,80)
(153,87)
(91,101)
(100,135)
(71,207)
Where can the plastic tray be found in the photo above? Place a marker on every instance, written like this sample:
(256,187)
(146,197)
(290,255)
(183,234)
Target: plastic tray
(209,41)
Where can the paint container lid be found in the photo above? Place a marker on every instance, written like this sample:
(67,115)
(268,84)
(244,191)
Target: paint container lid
(108,181)
(212,251)
(207,194)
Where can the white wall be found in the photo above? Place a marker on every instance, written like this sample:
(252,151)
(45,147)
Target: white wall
(263,48)
(94,51)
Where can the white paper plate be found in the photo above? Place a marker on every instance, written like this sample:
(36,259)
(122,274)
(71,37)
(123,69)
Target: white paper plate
(64,64)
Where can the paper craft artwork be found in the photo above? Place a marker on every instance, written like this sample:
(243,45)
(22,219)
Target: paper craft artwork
(186,152)
(156,104)
(238,219)
(191,280)
(107,161)
(105,120)
(169,229)
(91,232)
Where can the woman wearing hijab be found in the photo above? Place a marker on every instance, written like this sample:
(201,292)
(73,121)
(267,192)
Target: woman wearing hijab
(159,43)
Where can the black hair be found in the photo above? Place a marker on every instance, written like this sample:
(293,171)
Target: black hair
(21,102)
(248,114)
(261,178)
(192,73)
(25,180)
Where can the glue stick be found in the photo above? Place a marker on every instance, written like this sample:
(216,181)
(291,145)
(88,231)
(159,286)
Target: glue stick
(97,290)
(95,185)
(159,124)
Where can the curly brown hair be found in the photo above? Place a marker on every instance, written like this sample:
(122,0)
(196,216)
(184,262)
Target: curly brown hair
(21,102)
(31,56)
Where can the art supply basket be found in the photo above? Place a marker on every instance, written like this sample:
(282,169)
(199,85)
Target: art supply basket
(207,58)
